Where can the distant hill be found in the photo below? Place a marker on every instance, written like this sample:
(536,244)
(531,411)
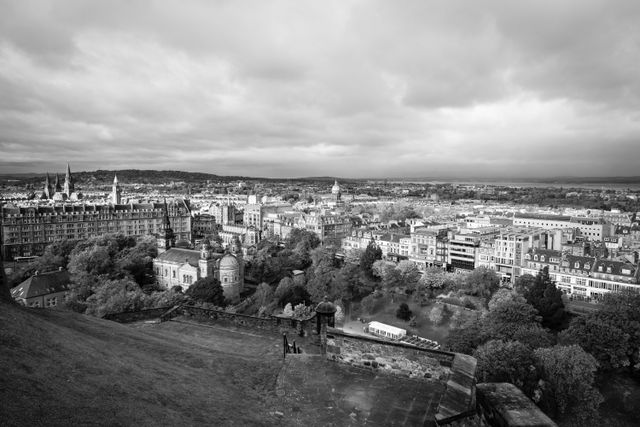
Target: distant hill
(61,368)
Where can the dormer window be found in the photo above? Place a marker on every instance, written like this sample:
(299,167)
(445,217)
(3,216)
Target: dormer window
(600,268)
(535,257)
(577,265)
(626,271)
(542,258)
(608,269)
(587,266)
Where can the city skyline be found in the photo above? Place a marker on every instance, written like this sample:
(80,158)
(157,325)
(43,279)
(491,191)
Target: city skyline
(349,89)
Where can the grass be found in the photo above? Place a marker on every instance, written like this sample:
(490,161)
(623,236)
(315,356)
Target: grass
(61,368)
(385,312)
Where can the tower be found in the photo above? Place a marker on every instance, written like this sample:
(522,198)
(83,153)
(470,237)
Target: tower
(58,186)
(47,192)
(335,190)
(68,182)
(166,238)
(116,191)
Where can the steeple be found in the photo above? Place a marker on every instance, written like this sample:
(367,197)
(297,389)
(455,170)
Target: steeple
(68,182)
(58,186)
(116,192)
(166,238)
(48,189)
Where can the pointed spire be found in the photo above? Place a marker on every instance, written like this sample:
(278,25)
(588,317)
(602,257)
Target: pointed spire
(115,178)
(68,182)
(47,181)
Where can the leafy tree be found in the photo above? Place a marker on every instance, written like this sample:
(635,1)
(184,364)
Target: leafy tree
(409,274)
(283,289)
(482,282)
(322,275)
(622,311)
(370,255)
(604,341)
(207,290)
(288,310)
(351,284)
(506,361)
(433,278)
(567,391)
(5,294)
(506,318)
(264,294)
(465,338)
(533,336)
(368,303)
(503,295)
(524,283)
(545,297)
(296,295)
(404,312)
(115,296)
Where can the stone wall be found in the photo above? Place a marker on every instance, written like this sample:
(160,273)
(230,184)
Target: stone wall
(272,324)
(388,357)
(135,316)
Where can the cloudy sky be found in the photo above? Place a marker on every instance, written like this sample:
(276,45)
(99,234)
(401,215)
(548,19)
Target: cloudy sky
(420,88)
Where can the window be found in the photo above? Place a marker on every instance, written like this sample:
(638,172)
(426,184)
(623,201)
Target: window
(174,274)
(577,265)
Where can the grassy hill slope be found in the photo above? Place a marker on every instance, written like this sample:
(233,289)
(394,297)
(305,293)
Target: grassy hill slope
(61,368)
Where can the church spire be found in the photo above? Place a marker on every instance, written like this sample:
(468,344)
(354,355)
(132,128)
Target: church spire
(68,182)
(48,189)
(166,239)
(116,192)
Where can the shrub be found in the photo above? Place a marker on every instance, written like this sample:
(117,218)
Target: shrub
(404,312)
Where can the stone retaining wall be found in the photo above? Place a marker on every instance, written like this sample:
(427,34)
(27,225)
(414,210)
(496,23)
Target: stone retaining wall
(136,316)
(394,358)
(273,323)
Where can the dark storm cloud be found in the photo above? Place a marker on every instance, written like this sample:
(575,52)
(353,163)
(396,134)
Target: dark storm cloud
(347,88)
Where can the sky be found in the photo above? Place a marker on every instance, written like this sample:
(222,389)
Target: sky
(347,88)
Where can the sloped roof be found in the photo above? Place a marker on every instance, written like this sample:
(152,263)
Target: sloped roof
(180,256)
(42,284)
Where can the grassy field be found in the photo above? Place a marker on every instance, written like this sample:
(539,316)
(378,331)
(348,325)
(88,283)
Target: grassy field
(61,368)
(385,312)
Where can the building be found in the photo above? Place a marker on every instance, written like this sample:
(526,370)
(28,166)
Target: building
(428,248)
(58,193)
(582,277)
(116,191)
(43,289)
(203,225)
(327,226)
(591,228)
(386,331)
(224,213)
(26,231)
(510,247)
(183,267)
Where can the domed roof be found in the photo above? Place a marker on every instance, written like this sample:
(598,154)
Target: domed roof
(325,307)
(336,188)
(229,262)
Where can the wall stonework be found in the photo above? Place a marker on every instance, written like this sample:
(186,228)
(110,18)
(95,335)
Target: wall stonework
(388,357)
(135,316)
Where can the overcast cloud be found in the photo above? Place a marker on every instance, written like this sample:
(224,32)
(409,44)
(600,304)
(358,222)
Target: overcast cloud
(346,88)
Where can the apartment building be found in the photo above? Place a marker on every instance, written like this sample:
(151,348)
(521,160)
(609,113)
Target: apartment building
(26,231)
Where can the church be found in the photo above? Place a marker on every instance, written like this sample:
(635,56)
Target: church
(183,267)
(59,193)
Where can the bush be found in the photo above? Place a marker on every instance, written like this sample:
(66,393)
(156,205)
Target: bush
(404,312)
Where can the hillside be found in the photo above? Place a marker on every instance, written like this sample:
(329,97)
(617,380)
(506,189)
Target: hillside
(61,368)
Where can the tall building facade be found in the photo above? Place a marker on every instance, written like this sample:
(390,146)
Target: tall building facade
(26,231)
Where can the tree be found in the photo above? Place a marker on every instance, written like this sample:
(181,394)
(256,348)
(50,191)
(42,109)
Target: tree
(506,318)
(506,361)
(465,338)
(5,294)
(370,255)
(604,341)
(567,391)
(503,295)
(209,290)
(368,303)
(115,296)
(545,297)
(409,274)
(482,282)
(622,310)
(322,275)
(403,312)
(263,295)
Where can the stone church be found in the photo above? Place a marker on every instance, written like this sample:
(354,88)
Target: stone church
(183,267)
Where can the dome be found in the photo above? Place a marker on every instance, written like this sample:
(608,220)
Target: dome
(325,307)
(229,262)
(336,188)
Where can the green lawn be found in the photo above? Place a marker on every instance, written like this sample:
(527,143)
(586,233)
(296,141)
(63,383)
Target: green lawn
(385,312)
(61,368)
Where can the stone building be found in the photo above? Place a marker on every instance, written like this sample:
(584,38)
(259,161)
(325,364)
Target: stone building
(43,289)
(26,231)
